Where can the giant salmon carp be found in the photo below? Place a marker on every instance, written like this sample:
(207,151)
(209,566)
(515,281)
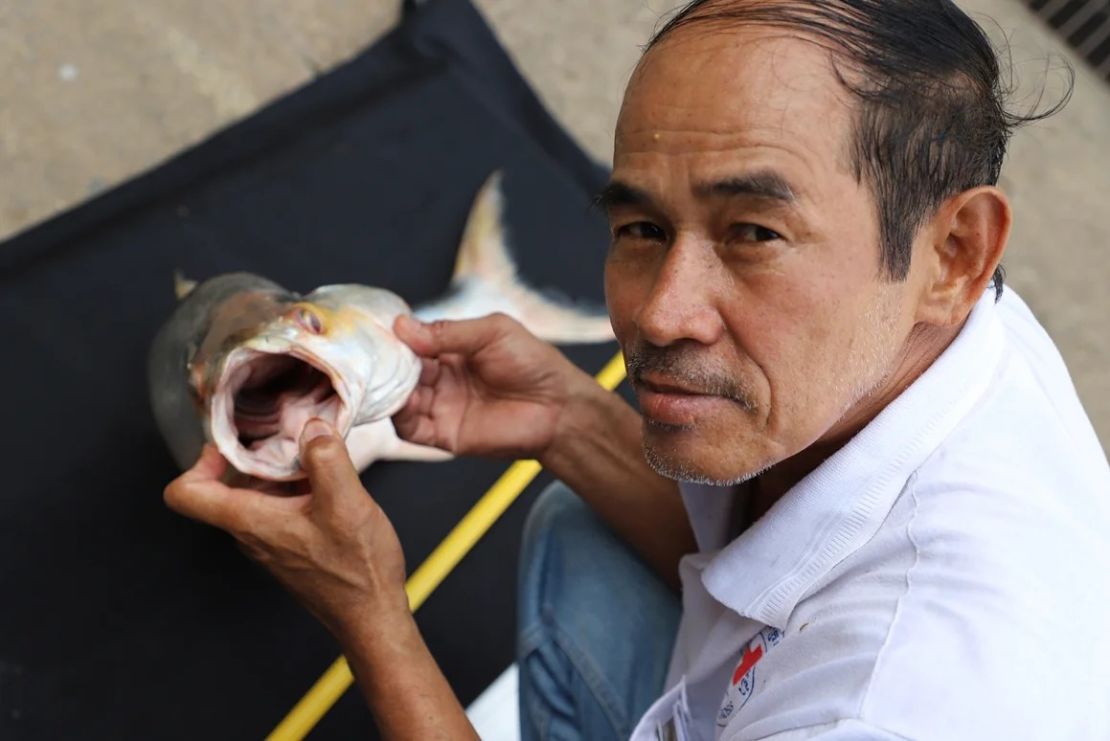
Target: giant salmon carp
(245,363)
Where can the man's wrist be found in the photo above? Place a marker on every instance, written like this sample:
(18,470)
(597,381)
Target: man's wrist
(589,410)
(598,447)
(400,680)
(364,631)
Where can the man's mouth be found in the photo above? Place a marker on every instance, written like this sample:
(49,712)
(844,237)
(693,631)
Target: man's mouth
(671,402)
(663,385)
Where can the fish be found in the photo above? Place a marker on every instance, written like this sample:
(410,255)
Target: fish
(244,363)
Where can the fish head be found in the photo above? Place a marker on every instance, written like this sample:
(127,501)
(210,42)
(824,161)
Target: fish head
(331,355)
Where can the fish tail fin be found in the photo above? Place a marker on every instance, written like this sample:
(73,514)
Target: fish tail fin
(485,280)
(483,253)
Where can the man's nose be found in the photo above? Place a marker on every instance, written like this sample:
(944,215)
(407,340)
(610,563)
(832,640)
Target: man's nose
(682,304)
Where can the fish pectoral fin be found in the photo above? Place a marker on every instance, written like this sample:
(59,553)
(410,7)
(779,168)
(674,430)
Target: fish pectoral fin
(378,441)
(182,286)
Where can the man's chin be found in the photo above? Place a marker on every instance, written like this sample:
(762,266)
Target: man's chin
(669,461)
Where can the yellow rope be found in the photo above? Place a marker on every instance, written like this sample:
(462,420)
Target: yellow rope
(338,678)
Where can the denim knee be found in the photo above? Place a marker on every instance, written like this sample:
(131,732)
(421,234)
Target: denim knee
(556,512)
(596,625)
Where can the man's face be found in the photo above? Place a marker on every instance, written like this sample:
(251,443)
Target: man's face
(744,279)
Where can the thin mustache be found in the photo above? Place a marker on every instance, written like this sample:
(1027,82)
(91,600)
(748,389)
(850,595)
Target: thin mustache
(673,365)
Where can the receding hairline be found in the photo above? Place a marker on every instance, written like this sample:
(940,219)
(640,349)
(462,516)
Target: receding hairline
(844,157)
(713,17)
(705,20)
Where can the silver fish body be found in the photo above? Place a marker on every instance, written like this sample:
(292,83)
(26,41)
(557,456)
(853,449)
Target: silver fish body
(244,363)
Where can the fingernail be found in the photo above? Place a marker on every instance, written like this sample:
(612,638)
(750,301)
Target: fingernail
(314,429)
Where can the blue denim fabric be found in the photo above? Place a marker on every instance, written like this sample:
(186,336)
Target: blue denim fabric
(596,626)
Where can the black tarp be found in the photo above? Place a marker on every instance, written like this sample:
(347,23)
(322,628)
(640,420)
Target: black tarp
(120,619)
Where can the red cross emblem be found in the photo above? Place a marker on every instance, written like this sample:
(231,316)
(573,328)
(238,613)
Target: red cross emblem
(750,658)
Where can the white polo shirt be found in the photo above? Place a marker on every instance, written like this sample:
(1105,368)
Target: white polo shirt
(945,575)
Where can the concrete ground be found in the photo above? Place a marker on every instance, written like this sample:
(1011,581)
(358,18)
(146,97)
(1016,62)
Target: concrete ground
(94,91)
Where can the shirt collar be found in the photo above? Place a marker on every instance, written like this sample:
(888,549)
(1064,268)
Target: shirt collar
(839,506)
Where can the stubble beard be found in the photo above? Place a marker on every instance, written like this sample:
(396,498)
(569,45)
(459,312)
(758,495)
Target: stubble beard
(864,375)
(674,363)
(670,469)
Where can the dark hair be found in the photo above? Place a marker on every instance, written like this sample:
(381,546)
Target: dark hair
(932,119)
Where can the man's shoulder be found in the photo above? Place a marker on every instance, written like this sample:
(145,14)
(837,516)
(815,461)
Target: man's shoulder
(1028,437)
(979,606)
(1033,403)
(996,628)
(950,629)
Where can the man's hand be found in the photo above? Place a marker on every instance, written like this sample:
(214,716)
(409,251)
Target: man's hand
(333,547)
(488,387)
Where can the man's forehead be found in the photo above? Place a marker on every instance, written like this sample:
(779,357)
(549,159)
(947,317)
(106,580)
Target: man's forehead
(706,82)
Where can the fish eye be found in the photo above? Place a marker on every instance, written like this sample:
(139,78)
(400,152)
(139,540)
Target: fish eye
(309,320)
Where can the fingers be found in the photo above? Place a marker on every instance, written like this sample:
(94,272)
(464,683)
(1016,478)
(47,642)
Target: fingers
(419,404)
(416,426)
(212,502)
(325,459)
(198,498)
(465,337)
(282,489)
(430,413)
(209,467)
(200,494)
(429,371)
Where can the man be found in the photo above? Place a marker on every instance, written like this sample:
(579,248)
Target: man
(892,520)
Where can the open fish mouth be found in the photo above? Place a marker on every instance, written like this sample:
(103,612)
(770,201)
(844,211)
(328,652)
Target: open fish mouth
(276,385)
(264,401)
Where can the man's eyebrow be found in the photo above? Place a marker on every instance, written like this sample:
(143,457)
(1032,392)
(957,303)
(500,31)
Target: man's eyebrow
(766,184)
(617,193)
(761,184)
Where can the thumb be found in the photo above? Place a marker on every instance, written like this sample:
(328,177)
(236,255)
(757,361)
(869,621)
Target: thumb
(325,459)
(465,337)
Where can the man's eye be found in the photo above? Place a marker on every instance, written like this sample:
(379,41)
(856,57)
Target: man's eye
(640,230)
(754,233)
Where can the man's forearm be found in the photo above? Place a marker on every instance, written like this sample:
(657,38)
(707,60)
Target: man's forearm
(404,687)
(598,452)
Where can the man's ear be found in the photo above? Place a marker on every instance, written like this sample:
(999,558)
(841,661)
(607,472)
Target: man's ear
(963,245)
